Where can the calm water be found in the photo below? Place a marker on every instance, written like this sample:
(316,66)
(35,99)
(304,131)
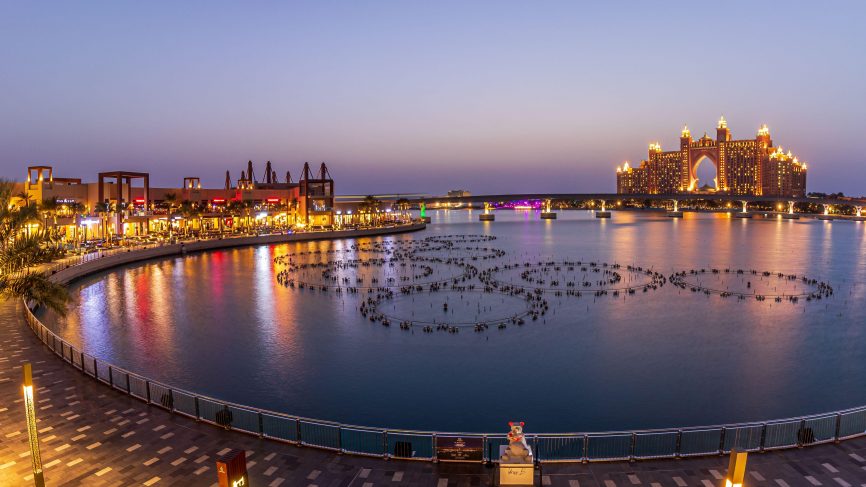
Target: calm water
(219,323)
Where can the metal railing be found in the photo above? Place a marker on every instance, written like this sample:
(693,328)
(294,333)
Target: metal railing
(421,445)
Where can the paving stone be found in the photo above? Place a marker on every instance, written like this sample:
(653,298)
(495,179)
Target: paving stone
(108,438)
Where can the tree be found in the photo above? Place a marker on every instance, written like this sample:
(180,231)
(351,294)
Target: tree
(22,251)
(403,206)
(369,206)
(25,198)
(190,211)
(168,201)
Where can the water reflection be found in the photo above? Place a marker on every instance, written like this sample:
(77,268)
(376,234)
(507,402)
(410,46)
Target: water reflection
(218,323)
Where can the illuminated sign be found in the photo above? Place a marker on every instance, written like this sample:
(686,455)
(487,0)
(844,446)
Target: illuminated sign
(232,469)
(459,449)
(273,200)
(219,201)
(139,201)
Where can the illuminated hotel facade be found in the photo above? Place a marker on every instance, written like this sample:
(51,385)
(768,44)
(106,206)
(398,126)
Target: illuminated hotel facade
(743,167)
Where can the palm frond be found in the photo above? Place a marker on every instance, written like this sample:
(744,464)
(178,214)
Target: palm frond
(30,250)
(37,287)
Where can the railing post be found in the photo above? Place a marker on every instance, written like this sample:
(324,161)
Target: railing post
(95,370)
(171,400)
(631,447)
(801,434)
(679,444)
(110,377)
(763,436)
(340,439)
(435,458)
(147,387)
(261,425)
(197,414)
(128,389)
(585,448)
(722,441)
(838,426)
(298,430)
(386,454)
(83,369)
(535,447)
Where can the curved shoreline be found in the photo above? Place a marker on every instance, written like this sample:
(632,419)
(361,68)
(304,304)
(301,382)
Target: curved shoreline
(551,447)
(70,272)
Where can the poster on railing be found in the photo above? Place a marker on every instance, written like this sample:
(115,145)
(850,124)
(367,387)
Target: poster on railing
(459,449)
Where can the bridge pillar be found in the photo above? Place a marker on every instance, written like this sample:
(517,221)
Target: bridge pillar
(826,215)
(745,213)
(791,215)
(676,213)
(547,212)
(486,216)
(603,213)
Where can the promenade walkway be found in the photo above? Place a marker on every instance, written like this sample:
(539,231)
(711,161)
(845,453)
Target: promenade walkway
(90,434)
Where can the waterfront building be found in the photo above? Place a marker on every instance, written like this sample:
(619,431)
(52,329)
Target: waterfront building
(743,167)
(122,204)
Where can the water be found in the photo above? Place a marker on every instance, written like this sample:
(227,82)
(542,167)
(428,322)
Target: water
(218,323)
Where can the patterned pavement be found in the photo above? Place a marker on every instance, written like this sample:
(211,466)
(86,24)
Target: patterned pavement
(92,435)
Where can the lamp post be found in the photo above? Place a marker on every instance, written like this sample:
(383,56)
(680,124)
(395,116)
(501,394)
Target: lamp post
(736,468)
(30,408)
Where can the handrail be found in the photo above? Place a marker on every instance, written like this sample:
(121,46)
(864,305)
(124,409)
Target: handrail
(574,447)
(772,434)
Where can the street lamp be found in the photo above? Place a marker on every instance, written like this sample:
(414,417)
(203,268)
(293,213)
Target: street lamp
(30,408)
(736,468)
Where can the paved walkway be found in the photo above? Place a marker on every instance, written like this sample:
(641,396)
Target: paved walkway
(90,434)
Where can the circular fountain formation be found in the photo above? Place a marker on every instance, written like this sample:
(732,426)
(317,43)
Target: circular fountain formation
(572,278)
(452,310)
(393,264)
(435,284)
(752,284)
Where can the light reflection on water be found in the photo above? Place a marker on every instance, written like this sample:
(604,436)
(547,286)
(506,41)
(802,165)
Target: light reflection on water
(218,323)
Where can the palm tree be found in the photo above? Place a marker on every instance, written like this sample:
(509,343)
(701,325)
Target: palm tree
(49,208)
(25,198)
(236,209)
(21,251)
(369,206)
(189,211)
(76,209)
(102,209)
(403,205)
(293,209)
(168,201)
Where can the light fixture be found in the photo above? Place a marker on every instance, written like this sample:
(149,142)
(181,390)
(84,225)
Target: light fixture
(30,409)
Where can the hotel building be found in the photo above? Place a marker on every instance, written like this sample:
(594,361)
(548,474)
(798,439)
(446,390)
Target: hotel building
(743,167)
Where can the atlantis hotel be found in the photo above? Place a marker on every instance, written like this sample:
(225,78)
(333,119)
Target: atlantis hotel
(743,167)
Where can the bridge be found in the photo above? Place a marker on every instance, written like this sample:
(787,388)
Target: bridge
(828,203)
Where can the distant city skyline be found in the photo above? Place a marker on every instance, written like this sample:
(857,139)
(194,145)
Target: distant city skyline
(492,97)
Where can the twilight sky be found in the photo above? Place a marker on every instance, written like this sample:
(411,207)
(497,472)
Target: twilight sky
(404,96)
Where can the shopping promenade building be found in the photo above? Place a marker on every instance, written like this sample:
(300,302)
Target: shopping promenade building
(122,203)
(743,167)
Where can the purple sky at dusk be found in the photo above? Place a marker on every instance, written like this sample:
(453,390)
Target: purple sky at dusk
(424,96)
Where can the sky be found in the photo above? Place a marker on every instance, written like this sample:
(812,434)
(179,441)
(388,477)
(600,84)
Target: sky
(404,96)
